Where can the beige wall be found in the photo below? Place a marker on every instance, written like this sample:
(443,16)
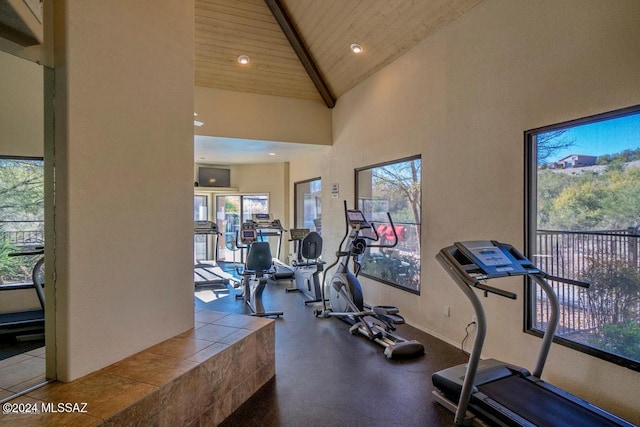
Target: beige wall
(21,107)
(124,191)
(462,99)
(271,178)
(263,117)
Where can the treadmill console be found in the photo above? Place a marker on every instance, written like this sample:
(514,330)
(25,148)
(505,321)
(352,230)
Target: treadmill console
(248,233)
(262,218)
(205,227)
(488,259)
(298,233)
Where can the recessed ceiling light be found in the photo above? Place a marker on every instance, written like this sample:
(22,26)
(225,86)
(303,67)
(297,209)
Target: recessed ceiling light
(197,123)
(272,154)
(356,48)
(244,59)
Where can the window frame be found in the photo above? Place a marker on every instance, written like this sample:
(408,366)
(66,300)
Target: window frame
(419,225)
(29,261)
(530,229)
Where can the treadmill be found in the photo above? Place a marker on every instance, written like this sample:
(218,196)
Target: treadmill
(207,274)
(29,323)
(267,227)
(491,392)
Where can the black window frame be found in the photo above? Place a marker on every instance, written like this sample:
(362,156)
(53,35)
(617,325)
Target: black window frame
(419,225)
(295,203)
(530,229)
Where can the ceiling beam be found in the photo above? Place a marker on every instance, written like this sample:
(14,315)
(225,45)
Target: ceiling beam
(278,11)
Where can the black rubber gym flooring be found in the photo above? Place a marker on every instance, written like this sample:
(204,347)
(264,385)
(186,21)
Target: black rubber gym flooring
(328,377)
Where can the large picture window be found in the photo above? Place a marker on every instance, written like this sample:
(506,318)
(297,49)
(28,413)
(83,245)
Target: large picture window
(583,205)
(231,212)
(393,187)
(21,216)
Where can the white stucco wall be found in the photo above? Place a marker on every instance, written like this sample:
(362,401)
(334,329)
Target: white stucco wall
(124,189)
(21,107)
(462,99)
(244,115)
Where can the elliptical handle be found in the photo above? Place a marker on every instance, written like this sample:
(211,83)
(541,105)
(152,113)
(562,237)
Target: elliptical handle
(395,235)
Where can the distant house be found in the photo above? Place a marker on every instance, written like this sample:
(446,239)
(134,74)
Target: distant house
(576,161)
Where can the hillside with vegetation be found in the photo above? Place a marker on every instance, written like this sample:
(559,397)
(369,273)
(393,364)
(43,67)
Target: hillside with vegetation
(602,197)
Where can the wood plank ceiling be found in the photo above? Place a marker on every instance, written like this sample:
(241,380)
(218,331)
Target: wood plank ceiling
(386,29)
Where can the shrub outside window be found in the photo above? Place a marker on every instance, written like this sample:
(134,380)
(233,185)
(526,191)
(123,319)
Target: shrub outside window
(21,216)
(393,187)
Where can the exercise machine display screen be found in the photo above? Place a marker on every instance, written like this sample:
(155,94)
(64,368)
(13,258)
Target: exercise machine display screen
(488,255)
(496,259)
(356,218)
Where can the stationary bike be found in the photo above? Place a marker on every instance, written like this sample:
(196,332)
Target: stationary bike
(257,267)
(345,293)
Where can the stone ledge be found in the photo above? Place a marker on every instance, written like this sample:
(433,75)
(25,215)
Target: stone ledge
(196,378)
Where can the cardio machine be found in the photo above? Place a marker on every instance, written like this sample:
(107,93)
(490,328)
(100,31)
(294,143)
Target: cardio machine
(267,227)
(307,266)
(29,324)
(257,266)
(207,273)
(345,293)
(490,392)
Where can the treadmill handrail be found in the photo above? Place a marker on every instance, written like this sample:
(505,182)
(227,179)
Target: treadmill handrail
(466,283)
(470,280)
(567,281)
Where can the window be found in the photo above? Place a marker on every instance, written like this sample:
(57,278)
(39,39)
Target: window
(393,187)
(582,222)
(308,204)
(21,216)
(231,212)
(201,241)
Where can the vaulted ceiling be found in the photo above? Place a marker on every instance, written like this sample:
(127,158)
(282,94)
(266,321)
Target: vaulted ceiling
(301,48)
(386,29)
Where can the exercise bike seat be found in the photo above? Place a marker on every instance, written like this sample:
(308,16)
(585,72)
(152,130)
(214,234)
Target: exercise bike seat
(259,260)
(311,247)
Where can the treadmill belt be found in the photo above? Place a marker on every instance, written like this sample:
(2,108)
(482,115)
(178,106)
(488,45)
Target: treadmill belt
(540,406)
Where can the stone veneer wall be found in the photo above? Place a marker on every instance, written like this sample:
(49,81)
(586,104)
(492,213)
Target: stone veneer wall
(196,378)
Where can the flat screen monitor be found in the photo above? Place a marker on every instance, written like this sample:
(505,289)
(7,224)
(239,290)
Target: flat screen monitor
(214,177)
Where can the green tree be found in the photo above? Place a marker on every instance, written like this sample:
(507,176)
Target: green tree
(621,203)
(21,190)
(10,267)
(550,185)
(579,206)
(623,340)
(401,182)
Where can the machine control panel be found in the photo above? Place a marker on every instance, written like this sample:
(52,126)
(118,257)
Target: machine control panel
(491,259)
(356,219)
(205,227)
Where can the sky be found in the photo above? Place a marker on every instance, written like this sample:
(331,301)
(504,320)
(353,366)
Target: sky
(605,137)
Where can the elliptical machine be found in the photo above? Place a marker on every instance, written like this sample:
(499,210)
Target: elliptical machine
(345,293)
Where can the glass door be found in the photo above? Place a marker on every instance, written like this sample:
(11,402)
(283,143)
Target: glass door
(231,212)
(201,241)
